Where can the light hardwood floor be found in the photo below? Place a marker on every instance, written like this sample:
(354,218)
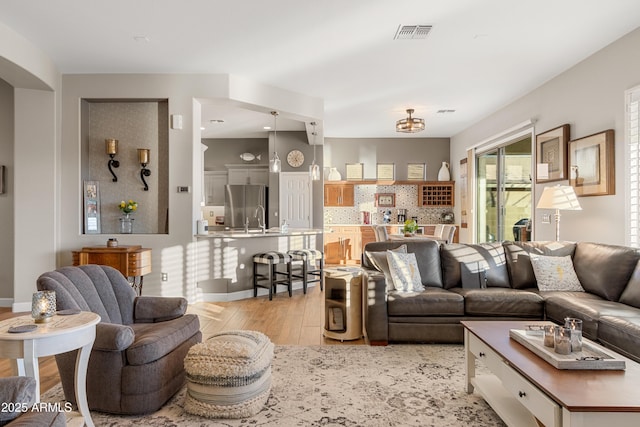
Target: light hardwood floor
(298,320)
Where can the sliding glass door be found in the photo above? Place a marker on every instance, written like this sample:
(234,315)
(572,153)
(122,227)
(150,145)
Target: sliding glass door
(503,192)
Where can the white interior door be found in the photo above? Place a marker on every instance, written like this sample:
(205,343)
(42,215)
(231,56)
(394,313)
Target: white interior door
(295,199)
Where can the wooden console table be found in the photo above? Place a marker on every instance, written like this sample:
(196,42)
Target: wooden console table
(132,261)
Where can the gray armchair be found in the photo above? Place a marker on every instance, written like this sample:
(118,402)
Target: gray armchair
(136,363)
(20,393)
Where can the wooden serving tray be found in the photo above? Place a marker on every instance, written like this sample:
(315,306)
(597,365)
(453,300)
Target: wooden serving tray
(592,356)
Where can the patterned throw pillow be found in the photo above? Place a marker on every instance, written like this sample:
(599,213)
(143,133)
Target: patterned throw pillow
(555,273)
(404,271)
(379,261)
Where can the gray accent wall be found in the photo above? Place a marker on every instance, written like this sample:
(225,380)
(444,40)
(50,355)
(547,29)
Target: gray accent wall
(590,97)
(401,151)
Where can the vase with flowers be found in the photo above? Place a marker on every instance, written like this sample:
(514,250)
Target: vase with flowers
(126,222)
(410,227)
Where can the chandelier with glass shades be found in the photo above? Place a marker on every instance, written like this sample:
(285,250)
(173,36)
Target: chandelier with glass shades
(410,124)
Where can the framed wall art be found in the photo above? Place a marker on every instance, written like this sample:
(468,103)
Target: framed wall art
(355,171)
(592,164)
(416,172)
(551,154)
(91,197)
(385,171)
(385,200)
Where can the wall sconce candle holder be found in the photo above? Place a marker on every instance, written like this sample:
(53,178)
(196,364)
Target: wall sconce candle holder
(43,306)
(143,157)
(111,146)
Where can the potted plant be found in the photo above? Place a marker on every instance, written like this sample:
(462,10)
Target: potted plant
(410,227)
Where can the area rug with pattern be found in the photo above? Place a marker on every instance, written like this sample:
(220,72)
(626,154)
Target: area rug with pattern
(346,385)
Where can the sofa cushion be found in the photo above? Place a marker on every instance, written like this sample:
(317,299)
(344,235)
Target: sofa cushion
(555,273)
(519,265)
(593,263)
(404,272)
(622,334)
(487,256)
(631,293)
(379,261)
(430,302)
(14,392)
(155,340)
(585,306)
(501,302)
(427,255)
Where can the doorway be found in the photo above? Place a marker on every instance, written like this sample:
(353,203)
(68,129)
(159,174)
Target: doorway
(503,189)
(295,199)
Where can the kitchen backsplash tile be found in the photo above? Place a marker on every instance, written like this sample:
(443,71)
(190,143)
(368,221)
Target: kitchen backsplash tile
(406,198)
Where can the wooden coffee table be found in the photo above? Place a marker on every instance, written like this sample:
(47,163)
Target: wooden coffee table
(523,387)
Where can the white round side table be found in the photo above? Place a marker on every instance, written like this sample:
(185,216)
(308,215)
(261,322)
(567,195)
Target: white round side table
(61,334)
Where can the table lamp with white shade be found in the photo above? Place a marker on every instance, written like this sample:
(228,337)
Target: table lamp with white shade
(559,197)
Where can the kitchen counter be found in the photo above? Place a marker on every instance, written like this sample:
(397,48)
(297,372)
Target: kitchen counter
(274,232)
(224,259)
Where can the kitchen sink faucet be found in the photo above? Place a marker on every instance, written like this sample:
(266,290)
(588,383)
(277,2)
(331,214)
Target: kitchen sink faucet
(261,224)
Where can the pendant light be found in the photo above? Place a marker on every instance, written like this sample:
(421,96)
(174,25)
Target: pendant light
(274,163)
(314,169)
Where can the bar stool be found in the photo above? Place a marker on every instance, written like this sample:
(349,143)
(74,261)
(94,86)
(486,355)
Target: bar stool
(309,257)
(271,260)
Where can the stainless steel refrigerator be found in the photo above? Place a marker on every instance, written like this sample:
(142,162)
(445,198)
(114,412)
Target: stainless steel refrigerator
(241,202)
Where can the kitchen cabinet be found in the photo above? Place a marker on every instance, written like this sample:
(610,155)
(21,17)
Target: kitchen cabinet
(253,176)
(214,182)
(367,235)
(343,245)
(436,194)
(338,195)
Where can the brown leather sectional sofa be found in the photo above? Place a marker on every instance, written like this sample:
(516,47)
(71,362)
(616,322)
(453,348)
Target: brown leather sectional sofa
(609,307)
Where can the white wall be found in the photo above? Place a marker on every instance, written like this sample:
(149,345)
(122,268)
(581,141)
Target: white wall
(590,97)
(173,253)
(6,199)
(35,142)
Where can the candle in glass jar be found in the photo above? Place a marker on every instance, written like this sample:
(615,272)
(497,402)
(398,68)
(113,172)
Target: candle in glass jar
(562,340)
(549,335)
(111,145)
(143,155)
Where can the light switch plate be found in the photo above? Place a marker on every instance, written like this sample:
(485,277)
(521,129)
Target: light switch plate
(183,189)
(546,218)
(176,121)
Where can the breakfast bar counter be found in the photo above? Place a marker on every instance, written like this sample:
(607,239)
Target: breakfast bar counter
(224,259)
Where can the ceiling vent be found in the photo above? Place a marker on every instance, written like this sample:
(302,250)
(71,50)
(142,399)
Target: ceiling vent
(445,111)
(411,32)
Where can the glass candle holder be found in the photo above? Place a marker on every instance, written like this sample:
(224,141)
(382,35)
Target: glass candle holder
(562,342)
(575,325)
(549,332)
(43,306)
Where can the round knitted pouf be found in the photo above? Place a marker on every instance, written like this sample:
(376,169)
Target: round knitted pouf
(229,375)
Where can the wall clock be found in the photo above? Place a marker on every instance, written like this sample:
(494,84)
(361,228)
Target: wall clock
(295,158)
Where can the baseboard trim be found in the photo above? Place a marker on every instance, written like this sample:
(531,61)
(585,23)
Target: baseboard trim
(20,307)
(246,294)
(6,302)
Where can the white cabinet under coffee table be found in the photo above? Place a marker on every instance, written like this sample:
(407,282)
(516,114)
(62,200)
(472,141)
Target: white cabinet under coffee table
(522,385)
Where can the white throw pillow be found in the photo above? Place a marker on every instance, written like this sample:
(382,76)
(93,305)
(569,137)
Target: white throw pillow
(555,273)
(404,271)
(379,261)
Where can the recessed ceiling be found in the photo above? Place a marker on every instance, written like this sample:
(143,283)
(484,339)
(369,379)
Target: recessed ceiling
(477,57)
